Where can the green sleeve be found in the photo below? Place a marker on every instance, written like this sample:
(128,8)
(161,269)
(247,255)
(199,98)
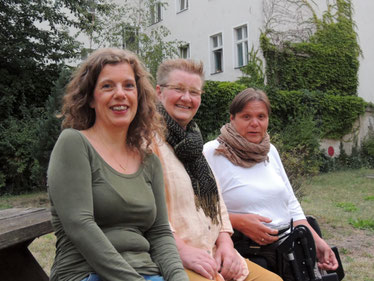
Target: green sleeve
(163,248)
(70,188)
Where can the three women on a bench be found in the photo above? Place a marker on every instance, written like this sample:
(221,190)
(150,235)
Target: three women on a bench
(107,188)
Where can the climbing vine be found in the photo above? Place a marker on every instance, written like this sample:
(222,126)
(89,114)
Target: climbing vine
(327,61)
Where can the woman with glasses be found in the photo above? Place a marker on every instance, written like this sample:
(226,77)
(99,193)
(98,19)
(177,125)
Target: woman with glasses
(254,184)
(197,213)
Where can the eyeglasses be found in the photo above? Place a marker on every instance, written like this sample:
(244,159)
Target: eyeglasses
(181,89)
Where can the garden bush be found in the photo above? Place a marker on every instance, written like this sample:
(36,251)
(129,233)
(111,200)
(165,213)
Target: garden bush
(214,109)
(26,144)
(334,115)
(298,146)
(367,149)
(17,140)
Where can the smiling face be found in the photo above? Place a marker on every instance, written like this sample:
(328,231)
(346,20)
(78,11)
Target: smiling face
(115,97)
(181,96)
(252,122)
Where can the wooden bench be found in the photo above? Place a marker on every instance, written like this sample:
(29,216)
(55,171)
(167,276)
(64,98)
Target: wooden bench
(18,228)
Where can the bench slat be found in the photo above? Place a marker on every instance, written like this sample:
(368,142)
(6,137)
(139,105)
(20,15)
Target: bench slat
(23,224)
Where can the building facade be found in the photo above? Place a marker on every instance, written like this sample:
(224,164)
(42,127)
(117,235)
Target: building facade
(220,33)
(216,32)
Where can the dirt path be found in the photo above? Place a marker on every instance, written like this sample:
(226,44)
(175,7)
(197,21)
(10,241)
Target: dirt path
(356,251)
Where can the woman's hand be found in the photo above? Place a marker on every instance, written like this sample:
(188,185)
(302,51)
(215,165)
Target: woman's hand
(251,225)
(228,260)
(197,260)
(326,257)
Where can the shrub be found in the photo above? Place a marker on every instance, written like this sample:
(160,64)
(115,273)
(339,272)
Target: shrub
(17,141)
(214,108)
(334,115)
(367,149)
(298,146)
(26,144)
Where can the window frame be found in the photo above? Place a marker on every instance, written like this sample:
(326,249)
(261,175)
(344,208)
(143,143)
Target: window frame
(156,12)
(130,36)
(179,5)
(182,48)
(241,43)
(216,49)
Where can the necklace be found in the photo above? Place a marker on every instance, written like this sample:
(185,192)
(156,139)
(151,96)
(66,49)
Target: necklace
(101,140)
(123,168)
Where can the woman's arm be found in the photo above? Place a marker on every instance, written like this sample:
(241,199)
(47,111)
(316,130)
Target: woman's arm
(163,248)
(251,225)
(70,188)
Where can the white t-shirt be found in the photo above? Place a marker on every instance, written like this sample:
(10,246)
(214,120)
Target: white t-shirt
(263,189)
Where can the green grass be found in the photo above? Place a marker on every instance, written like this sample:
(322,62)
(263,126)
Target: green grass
(343,204)
(43,249)
(362,224)
(38,199)
(346,206)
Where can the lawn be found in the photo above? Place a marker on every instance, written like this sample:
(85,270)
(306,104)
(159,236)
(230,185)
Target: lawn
(343,202)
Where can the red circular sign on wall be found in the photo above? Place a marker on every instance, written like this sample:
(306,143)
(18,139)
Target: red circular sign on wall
(330,151)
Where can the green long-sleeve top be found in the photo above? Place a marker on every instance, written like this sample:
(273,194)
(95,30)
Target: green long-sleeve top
(113,224)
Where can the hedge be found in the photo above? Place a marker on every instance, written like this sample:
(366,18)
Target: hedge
(334,115)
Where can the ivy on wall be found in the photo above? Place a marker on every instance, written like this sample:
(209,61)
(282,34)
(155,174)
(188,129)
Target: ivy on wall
(327,62)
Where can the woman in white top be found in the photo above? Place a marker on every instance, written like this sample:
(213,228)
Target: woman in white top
(254,184)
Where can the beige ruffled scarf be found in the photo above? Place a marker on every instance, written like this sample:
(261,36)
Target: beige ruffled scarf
(239,150)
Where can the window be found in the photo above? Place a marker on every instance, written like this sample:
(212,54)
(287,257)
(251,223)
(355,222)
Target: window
(216,53)
(130,38)
(182,5)
(184,51)
(156,12)
(241,42)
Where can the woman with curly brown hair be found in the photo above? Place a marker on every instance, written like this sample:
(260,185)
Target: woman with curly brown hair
(106,187)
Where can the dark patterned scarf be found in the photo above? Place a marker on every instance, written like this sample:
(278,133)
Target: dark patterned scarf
(188,146)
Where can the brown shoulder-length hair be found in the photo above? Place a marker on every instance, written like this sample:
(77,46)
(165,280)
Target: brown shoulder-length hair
(79,115)
(247,95)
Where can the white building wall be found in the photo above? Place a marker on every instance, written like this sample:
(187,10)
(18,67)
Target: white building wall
(363,16)
(205,18)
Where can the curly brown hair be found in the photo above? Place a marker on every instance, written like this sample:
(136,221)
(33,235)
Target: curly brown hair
(79,115)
